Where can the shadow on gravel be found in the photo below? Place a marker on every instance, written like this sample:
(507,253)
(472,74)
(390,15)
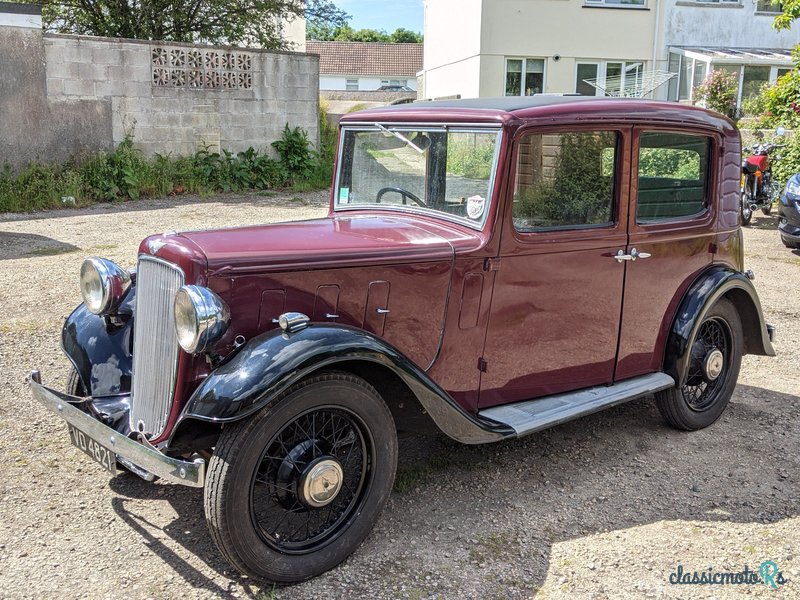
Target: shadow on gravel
(188,530)
(762,221)
(614,470)
(27,245)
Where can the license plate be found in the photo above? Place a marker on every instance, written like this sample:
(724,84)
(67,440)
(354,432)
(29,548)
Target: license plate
(94,449)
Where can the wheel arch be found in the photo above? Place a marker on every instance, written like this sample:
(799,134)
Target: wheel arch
(272,362)
(710,286)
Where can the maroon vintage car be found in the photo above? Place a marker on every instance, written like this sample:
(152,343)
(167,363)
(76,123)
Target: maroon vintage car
(494,267)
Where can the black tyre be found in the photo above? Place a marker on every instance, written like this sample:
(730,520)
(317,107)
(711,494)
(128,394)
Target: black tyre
(292,491)
(716,357)
(747,215)
(790,244)
(74,385)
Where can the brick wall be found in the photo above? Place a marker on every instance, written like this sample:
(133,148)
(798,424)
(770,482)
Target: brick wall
(173,98)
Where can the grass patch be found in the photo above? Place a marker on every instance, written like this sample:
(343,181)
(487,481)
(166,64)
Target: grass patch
(495,546)
(409,476)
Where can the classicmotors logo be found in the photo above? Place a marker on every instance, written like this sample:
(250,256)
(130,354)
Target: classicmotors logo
(767,574)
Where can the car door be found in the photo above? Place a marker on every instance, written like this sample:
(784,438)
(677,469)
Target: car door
(555,312)
(674,183)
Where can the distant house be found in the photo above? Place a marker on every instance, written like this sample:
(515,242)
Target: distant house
(361,66)
(476,48)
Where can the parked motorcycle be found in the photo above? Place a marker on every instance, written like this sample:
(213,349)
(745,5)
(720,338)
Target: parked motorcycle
(758,189)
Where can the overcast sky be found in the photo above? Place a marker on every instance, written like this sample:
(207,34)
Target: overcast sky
(383,14)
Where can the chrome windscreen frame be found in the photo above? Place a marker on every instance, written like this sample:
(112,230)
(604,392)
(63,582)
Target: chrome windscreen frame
(401,127)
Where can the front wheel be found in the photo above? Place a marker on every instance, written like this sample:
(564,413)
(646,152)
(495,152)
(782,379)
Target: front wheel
(294,490)
(716,356)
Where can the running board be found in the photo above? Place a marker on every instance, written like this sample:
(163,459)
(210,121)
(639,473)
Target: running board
(534,415)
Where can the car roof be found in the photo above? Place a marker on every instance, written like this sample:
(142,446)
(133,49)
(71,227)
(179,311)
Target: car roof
(505,109)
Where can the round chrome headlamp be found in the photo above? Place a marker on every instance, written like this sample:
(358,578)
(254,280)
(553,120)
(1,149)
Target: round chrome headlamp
(103,285)
(201,318)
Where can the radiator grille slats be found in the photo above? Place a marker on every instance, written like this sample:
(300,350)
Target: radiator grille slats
(155,346)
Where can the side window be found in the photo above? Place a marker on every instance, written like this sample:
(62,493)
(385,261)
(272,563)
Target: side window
(673,174)
(565,180)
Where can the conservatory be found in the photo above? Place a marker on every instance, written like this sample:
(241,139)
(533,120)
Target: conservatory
(753,67)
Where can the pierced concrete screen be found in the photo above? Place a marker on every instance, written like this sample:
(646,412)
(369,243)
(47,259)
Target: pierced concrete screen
(201,69)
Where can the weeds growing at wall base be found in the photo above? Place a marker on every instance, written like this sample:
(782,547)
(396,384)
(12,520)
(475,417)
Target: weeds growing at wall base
(127,174)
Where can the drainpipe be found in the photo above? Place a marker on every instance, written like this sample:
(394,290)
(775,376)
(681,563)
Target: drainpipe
(655,38)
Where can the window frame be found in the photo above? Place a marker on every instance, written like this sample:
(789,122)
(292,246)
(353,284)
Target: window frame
(348,81)
(602,71)
(619,187)
(494,183)
(524,73)
(642,4)
(699,220)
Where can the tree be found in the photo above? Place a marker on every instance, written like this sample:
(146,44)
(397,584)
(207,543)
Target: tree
(790,12)
(326,32)
(222,22)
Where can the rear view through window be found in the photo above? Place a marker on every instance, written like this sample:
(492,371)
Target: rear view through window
(673,173)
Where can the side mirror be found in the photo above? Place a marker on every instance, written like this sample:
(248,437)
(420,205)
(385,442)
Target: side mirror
(780,131)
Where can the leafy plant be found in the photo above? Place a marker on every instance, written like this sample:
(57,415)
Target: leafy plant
(295,154)
(126,174)
(719,92)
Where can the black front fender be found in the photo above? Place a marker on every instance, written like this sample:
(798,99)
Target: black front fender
(272,362)
(713,284)
(100,348)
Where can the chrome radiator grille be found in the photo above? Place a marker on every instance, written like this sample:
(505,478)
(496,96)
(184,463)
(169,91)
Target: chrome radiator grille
(155,346)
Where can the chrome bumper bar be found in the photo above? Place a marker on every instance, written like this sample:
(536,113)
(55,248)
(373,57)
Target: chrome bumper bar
(170,469)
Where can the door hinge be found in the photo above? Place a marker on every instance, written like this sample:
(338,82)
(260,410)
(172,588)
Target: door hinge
(482,364)
(491,264)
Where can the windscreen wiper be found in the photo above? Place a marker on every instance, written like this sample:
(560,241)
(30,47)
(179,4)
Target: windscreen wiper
(400,137)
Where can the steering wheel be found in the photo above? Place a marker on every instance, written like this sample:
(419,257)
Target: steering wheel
(404,193)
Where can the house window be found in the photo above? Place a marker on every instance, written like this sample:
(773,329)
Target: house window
(613,78)
(673,169)
(394,81)
(351,85)
(781,72)
(524,76)
(614,2)
(565,180)
(718,1)
(768,6)
(753,80)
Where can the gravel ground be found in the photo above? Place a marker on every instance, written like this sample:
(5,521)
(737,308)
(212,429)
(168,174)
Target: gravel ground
(607,506)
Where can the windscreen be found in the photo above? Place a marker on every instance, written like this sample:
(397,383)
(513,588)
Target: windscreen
(446,172)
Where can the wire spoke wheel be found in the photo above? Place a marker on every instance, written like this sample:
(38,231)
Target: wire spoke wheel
(711,370)
(704,382)
(294,489)
(310,480)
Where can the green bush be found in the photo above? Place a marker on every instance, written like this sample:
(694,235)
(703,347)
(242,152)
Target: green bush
(126,174)
(719,91)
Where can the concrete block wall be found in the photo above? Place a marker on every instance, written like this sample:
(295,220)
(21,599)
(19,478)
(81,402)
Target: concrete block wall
(182,119)
(63,95)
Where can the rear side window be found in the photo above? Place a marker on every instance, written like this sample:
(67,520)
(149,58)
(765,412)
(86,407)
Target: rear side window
(673,176)
(565,180)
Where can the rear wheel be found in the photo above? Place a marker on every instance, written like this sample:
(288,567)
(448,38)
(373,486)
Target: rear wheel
(294,490)
(716,356)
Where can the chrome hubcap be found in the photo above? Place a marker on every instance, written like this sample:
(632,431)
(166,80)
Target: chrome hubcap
(713,364)
(321,482)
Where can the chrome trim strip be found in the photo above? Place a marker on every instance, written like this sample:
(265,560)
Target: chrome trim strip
(187,473)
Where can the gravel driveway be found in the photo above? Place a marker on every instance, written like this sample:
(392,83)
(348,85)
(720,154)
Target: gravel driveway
(607,506)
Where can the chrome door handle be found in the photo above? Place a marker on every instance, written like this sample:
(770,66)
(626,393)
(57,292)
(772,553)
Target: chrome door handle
(331,316)
(636,254)
(382,311)
(621,256)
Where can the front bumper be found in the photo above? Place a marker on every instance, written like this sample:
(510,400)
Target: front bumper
(190,473)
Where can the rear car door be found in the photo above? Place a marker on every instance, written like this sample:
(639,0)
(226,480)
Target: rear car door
(674,182)
(555,312)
